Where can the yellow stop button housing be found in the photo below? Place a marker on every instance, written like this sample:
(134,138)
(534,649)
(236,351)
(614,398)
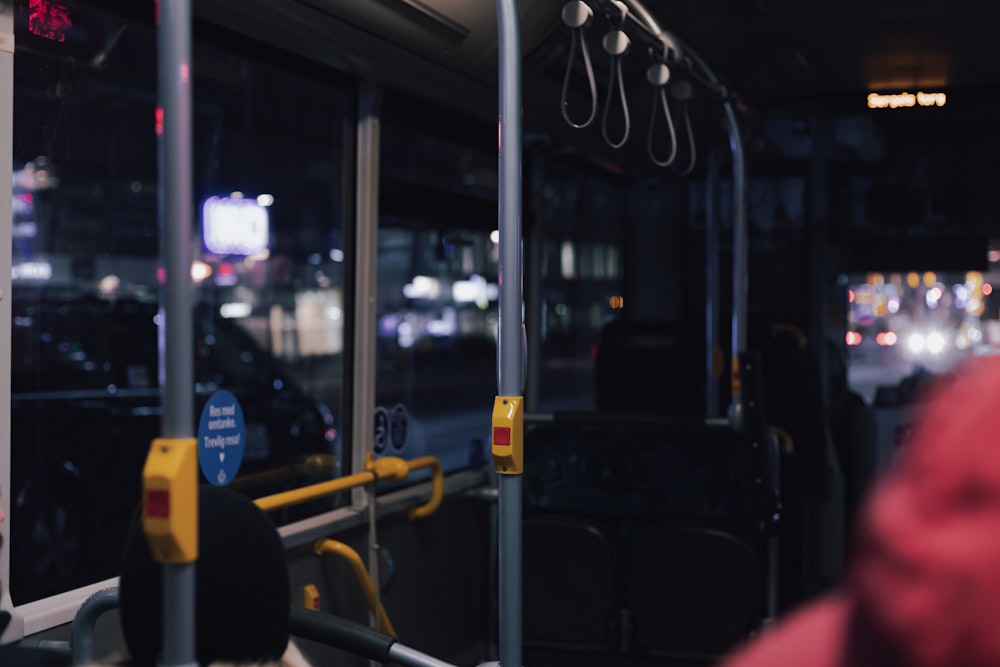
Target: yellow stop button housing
(508,435)
(170,500)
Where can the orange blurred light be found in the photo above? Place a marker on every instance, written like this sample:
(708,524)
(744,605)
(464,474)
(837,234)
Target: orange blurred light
(853,338)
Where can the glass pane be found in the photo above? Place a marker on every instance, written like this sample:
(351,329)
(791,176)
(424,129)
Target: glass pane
(583,217)
(267,264)
(436,358)
(904,328)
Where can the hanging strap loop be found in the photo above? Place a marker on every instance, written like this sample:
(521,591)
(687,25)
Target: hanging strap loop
(577,15)
(658,74)
(683,92)
(616,44)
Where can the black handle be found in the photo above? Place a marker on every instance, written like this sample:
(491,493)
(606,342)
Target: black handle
(341,633)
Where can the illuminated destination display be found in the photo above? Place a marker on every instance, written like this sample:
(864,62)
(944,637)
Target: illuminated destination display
(234,226)
(905,100)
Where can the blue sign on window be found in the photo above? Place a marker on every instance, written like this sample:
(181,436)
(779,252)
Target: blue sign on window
(221,438)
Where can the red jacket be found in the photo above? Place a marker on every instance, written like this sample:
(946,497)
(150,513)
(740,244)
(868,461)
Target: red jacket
(923,583)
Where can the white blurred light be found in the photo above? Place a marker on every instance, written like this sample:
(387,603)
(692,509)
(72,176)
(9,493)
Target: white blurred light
(474,290)
(234,226)
(235,310)
(567,261)
(405,334)
(38,270)
(422,287)
(109,284)
(935,342)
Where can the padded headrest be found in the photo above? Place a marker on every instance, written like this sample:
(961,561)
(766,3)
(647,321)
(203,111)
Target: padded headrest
(242,588)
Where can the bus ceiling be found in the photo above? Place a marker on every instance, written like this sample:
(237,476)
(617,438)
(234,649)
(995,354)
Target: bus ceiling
(775,52)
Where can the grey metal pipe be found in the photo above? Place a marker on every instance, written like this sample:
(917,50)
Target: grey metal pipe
(670,43)
(174,52)
(367,165)
(404,655)
(740,249)
(510,351)
(81,637)
(175,205)
(711,282)
(740,277)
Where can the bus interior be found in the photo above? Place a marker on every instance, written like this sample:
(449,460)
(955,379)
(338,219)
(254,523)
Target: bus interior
(711,251)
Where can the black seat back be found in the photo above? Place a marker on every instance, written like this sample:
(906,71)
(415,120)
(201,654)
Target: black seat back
(572,589)
(650,367)
(692,590)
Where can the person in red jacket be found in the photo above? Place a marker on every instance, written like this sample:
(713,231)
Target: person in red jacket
(922,587)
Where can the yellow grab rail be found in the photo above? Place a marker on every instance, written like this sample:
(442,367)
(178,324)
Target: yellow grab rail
(328,546)
(437,486)
(387,468)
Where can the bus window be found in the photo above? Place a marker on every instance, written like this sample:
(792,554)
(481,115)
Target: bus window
(268,148)
(905,325)
(583,219)
(436,355)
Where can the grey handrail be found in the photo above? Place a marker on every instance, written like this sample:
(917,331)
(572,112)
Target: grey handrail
(81,636)
(510,348)
(175,208)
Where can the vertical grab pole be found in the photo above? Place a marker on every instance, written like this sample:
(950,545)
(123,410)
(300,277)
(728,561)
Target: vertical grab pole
(173,18)
(711,281)
(739,335)
(507,414)
(740,278)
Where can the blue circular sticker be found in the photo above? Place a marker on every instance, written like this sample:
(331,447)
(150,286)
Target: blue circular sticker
(221,438)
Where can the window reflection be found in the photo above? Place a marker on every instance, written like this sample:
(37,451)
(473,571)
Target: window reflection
(267,270)
(436,356)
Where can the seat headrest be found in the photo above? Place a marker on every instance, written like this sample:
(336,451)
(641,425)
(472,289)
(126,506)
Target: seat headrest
(242,594)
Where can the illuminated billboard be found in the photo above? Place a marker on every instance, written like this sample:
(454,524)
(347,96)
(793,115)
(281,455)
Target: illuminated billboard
(234,226)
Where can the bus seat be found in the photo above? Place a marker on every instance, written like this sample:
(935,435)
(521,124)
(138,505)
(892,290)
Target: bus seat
(692,590)
(650,367)
(572,590)
(811,478)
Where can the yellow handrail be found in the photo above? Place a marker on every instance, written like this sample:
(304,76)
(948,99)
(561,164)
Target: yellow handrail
(314,491)
(796,332)
(387,468)
(328,546)
(437,486)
